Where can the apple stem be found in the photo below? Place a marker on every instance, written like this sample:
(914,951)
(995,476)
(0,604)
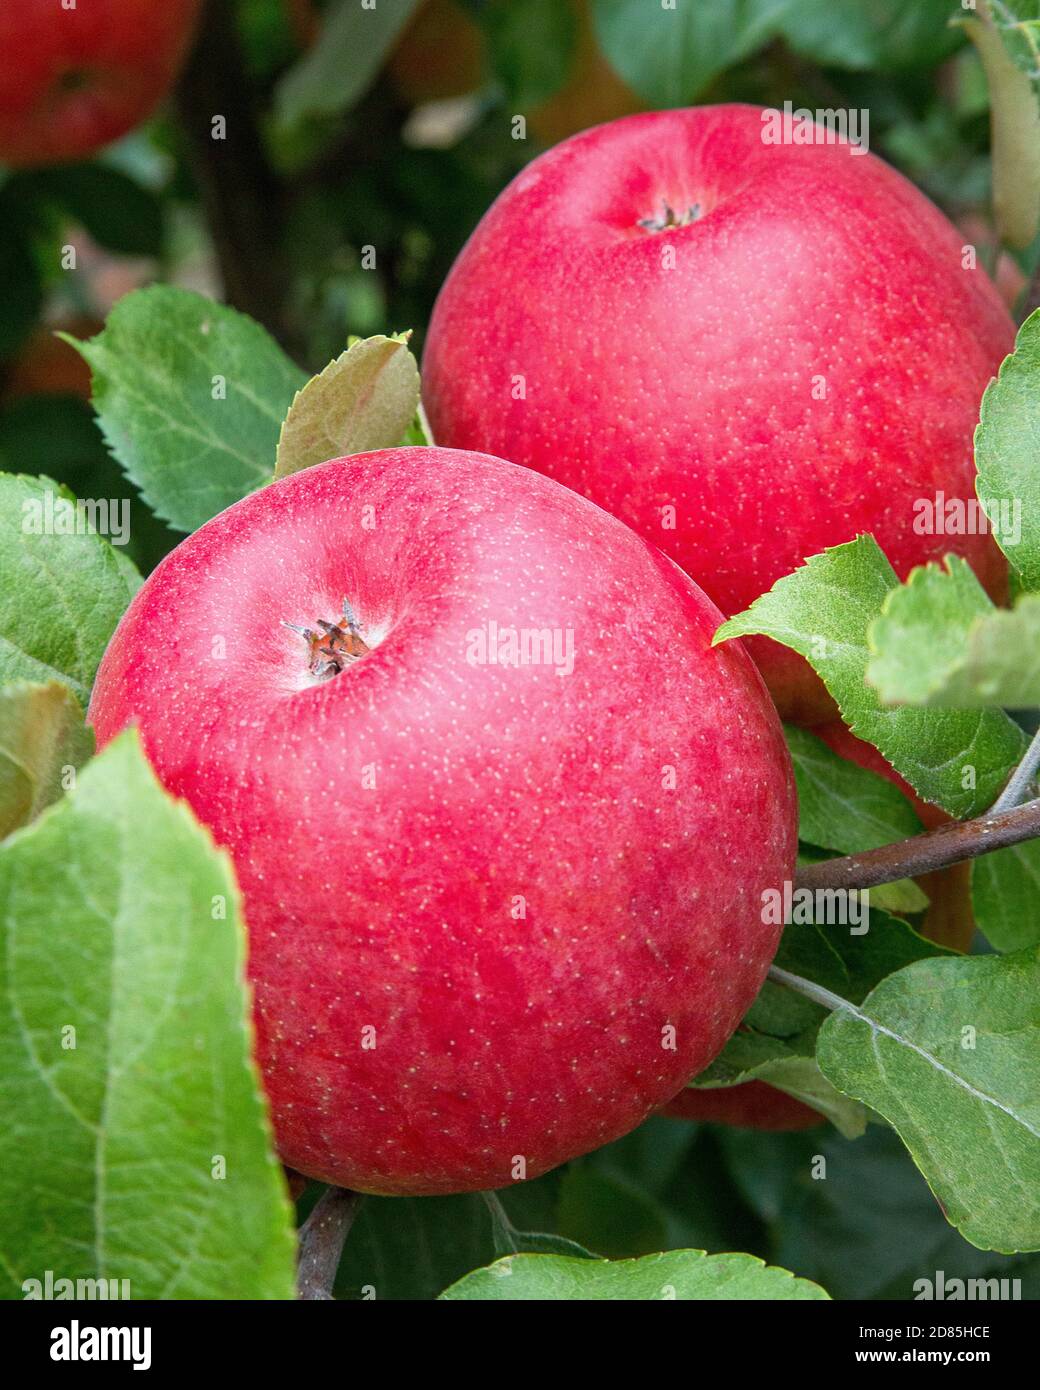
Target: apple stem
(1018,783)
(504,1230)
(322,1237)
(670,218)
(815,992)
(923,854)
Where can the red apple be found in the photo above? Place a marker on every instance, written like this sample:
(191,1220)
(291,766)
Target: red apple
(752,1105)
(440,54)
(74,79)
(497,913)
(443,53)
(748,351)
(47,365)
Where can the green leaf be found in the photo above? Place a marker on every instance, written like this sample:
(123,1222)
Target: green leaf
(418,432)
(163,356)
(852,964)
(607,1214)
(675,1163)
(58,435)
(670,55)
(1008,483)
(338,70)
(948,1051)
(125,1053)
(882,34)
(940,642)
(903,896)
(857,1217)
(777,1044)
(531,45)
(61,596)
(790,1065)
(849,964)
(824,610)
(677,1274)
(366,399)
(1018,23)
(1005,896)
(43,740)
(841,806)
(511,1241)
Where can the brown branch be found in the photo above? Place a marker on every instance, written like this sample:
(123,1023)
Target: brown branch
(322,1237)
(240,193)
(935,849)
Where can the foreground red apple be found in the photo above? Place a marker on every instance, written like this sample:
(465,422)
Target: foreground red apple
(752,1105)
(748,351)
(74,79)
(498,913)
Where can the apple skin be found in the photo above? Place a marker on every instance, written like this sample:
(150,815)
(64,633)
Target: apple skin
(393,907)
(647,386)
(751,1105)
(73,80)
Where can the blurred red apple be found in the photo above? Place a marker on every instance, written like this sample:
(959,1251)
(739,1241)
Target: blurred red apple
(440,54)
(752,1105)
(48,366)
(443,53)
(75,79)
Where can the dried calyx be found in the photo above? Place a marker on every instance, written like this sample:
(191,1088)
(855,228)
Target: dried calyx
(671,218)
(332,646)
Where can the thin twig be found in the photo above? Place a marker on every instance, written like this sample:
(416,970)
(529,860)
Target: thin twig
(809,988)
(1018,784)
(935,849)
(504,1230)
(322,1237)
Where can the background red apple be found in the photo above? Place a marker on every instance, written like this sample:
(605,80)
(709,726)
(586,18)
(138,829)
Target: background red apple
(443,53)
(47,365)
(440,54)
(73,80)
(753,1105)
(768,347)
(479,896)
